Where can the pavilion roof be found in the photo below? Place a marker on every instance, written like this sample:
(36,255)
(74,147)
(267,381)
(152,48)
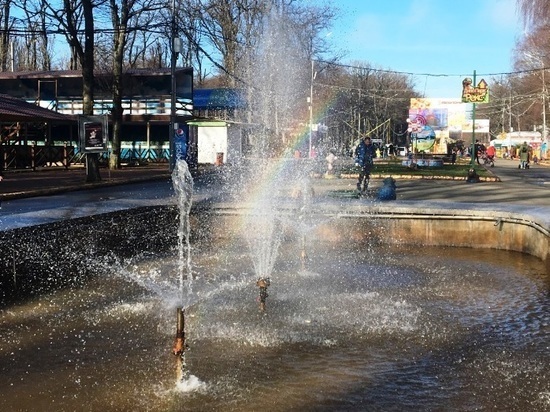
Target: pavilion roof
(13,109)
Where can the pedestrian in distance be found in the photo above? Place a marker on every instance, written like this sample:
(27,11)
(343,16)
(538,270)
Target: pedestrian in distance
(331,158)
(365,154)
(524,156)
(1,178)
(453,155)
(478,148)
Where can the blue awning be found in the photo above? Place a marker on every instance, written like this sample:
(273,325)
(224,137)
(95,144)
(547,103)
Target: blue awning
(217,99)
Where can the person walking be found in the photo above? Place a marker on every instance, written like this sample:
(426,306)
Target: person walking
(365,153)
(477,151)
(524,156)
(1,177)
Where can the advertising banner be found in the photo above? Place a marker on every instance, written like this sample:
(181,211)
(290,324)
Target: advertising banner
(475,94)
(93,132)
(181,142)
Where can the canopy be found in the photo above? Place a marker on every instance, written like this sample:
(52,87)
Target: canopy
(13,109)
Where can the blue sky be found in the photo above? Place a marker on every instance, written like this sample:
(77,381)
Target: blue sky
(446,38)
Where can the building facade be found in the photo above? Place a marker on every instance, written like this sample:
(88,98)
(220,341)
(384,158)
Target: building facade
(146,103)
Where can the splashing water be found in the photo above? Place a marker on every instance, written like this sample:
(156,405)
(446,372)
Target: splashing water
(264,239)
(263,229)
(183,186)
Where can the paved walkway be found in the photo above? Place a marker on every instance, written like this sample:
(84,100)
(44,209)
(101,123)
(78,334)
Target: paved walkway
(511,189)
(51,180)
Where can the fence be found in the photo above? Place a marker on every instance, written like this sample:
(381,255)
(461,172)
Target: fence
(34,156)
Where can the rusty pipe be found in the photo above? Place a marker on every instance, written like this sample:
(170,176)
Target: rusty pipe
(263,284)
(179,345)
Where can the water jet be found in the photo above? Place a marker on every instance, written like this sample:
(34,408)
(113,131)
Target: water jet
(392,313)
(303,254)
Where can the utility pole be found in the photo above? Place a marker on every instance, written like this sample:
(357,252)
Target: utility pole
(173,59)
(176,47)
(543,106)
(311,108)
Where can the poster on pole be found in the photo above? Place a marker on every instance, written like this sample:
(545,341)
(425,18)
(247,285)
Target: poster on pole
(474,94)
(181,142)
(93,132)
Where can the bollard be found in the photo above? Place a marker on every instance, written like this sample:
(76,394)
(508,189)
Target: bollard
(33,155)
(65,156)
(219,159)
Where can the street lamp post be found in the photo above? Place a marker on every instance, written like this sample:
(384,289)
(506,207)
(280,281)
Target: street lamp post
(474,148)
(474,93)
(311,110)
(544,137)
(173,60)
(176,47)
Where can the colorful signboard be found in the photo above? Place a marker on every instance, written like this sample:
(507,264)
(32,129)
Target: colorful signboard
(424,139)
(474,94)
(449,118)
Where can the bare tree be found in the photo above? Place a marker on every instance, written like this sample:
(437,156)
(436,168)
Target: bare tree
(71,16)
(147,48)
(6,23)
(189,24)
(25,40)
(221,21)
(535,13)
(266,48)
(123,12)
(120,16)
(531,59)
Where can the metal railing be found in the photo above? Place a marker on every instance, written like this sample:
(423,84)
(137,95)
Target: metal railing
(34,156)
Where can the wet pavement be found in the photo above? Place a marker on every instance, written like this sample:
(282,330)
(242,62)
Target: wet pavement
(55,195)
(54,180)
(529,187)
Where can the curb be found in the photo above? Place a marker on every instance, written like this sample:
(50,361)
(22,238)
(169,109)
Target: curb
(421,177)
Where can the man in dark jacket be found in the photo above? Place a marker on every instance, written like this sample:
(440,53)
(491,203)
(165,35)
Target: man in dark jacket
(1,177)
(364,159)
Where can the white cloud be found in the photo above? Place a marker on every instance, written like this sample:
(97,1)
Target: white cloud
(500,14)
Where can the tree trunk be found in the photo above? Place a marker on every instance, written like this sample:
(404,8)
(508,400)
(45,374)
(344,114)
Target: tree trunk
(92,159)
(117,113)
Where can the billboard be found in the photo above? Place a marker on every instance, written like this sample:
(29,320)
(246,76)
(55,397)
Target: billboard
(449,118)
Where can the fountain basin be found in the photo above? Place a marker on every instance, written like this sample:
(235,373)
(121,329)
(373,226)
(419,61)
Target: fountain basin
(40,258)
(380,318)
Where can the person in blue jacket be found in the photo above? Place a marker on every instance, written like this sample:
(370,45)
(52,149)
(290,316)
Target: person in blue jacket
(365,154)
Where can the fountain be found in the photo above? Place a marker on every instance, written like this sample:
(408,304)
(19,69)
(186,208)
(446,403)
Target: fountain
(183,188)
(365,311)
(380,325)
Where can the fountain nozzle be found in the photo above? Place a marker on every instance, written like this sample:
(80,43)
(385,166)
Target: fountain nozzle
(179,345)
(303,258)
(263,284)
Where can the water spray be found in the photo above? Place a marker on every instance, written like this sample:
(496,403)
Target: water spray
(183,187)
(303,254)
(263,284)
(179,344)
